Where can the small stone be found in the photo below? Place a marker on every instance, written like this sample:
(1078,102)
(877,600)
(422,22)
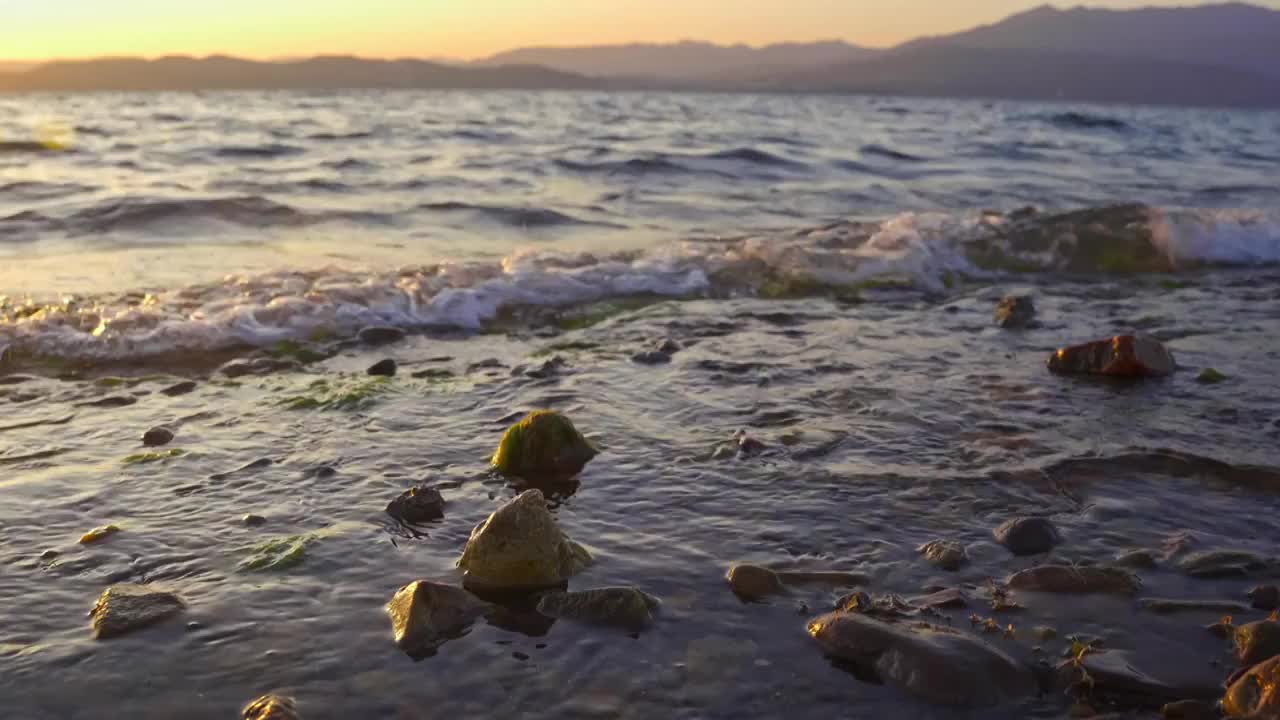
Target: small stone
(251,520)
(157,436)
(417,505)
(749,446)
(424,615)
(1120,356)
(1255,694)
(382,368)
(1256,641)
(1188,710)
(944,554)
(752,582)
(520,546)
(49,555)
(1080,580)
(122,609)
(1214,564)
(99,533)
(1138,559)
(1015,311)
(669,346)
(1168,606)
(949,598)
(271,707)
(651,357)
(182,388)
(544,445)
(1027,535)
(624,607)
(1209,376)
(378,335)
(257,366)
(1265,597)
(1044,633)
(113,401)
(193,626)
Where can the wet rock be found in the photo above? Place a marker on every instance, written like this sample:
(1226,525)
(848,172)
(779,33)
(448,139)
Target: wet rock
(181,388)
(544,445)
(1265,597)
(251,520)
(377,335)
(1188,710)
(1070,579)
(1169,606)
(49,555)
(944,554)
(723,451)
(1114,676)
(1027,535)
(1255,694)
(271,707)
(432,374)
(752,582)
(547,369)
(1256,641)
(122,609)
(157,436)
(424,615)
(623,607)
(749,446)
(275,554)
(521,546)
(257,366)
(113,401)
(382,368)
(99,533)
(417,505)
(938,664)
(949,598)
(1044,633)
(1015,311)
(1209,376)
(1120,356)
(651,357)
(1137,559)
(1222,564)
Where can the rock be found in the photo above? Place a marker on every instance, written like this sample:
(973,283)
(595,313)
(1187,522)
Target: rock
(122,609)
(752,582)
(749,446)
(251,520)
(1209,376)
(99,533)
(670,346)
(1168,606)
(548,369)
(1265,597)
(1015,311)
(271,707)
(1120,356)
(417,505)
(1044,633)
(1070,579)
(1138,559)
(49,555)
(1255,694)
(1256,641)
(382,368)
(944,554)
(949,598)
(623,607)
(112,401)
(275,554)
(938,664)
(651,357)
(257,366)
(1188,710)
(182,388)
(377,335)
(521,546)
(157,436)
(1027,535)
(1114,676)
(1222,563)
(544,445)
(424,615)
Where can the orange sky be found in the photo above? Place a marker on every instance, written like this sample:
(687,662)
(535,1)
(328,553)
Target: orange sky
(43,29)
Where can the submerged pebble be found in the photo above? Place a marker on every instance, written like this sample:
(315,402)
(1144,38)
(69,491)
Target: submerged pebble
(1070,579)
(624,607)
(1166,606)
(157,436)
(382,368)
(251,520)
(122,609)
(1027,535)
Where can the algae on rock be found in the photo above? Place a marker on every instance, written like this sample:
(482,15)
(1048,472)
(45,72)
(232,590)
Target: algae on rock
(543,445)
(521,546)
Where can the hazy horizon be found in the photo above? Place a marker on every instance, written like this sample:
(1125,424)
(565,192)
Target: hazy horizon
(281,29)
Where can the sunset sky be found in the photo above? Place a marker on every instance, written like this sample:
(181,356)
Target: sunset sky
(43,29)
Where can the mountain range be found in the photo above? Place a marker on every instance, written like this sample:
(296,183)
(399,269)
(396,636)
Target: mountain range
(1225,54)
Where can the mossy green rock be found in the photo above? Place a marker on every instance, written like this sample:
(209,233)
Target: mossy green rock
(521,546)
(624,607)
(544,445)
(1209,376)
(425,615)
(279,553)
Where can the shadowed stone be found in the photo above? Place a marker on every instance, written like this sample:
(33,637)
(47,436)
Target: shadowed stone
(121,609)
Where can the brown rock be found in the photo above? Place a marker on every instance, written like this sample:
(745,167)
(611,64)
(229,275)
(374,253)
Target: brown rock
(424,615)
(417,505)
(944,554)
(949,598)
(271,707)
(1015,311)
(1255,694)
(157,436)
(752,582)
(1027,535)
(1120,356)
(121,609)
(624,607)
(1069,579)
(1257,641)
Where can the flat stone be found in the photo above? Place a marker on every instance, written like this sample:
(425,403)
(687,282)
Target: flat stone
(1027,535)
(181,388)
(1256,641)
(1015,311)
(1213,564)
(944,554)
(1255,694)
(382,368)
(651,357)
(1169,606)
(1137,559)
(271,707)
(752,582)
(1265,597)
(939,664)
(521,546)
(624,607)
(157,436)
(949,598)
(424,615)
(1070,579)
(417,505)
(1121,356)
(1188,710)
(379,335)
(1117,677)
(121,609)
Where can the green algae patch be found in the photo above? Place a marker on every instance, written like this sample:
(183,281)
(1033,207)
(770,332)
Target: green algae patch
(543,445)
(338,395)
(1210,376)
(293,350)
(149,457)
(277,554)
(791,287)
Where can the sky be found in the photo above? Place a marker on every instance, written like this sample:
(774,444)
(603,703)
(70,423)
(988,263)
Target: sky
(466,29)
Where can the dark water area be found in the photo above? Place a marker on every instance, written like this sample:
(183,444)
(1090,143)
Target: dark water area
(827,269)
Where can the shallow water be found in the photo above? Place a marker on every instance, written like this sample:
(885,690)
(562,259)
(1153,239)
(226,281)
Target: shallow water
(892,420)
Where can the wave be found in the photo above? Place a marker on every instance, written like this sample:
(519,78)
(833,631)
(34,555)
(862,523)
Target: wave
(37,190)
(23,147)
(512,216)
(655,165)
(137,213)
(331,137)
(1088,121)
(721,163)
(889,153)
(754,157)
(925,252)
(243,152)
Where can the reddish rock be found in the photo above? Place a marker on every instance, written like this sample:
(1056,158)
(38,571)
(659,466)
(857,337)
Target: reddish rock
(1120,356)
(1255,693)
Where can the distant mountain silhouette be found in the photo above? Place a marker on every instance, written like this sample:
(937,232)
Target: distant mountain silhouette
(685,61)
(329,72)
